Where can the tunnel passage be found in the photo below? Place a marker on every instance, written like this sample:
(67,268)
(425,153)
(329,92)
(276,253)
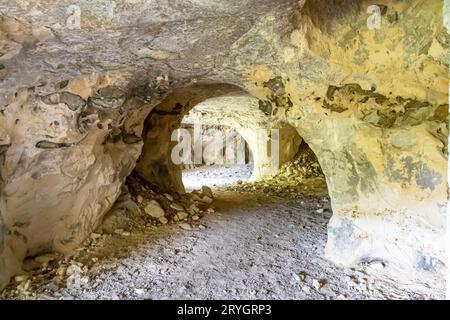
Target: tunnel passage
(218,155)
(212,105)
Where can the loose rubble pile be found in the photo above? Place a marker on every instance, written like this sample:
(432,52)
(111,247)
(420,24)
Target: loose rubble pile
(140,206)
(139,209)
(297,178)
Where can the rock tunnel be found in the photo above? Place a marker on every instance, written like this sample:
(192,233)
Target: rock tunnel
(90,99)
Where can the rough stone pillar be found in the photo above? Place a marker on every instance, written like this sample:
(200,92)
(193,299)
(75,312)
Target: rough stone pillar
(155,164)
(387,179)
(263,142)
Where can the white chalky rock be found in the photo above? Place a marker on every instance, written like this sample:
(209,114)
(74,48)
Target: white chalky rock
(316,284)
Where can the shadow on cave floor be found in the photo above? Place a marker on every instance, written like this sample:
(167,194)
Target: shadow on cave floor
(253,245)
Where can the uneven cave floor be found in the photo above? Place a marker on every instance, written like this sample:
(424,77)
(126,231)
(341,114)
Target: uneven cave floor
(255,245)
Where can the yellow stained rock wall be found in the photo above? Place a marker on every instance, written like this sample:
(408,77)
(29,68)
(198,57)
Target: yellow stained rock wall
(373,105)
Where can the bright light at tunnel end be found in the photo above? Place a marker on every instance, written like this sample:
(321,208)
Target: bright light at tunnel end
(231,150)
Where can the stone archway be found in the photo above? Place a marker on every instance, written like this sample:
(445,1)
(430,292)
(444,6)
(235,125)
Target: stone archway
(213,104)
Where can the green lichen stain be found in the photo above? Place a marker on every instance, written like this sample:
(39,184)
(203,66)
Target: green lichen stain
(411,112)
(401,140)
(73,101)
(108,98)
(441,113)
(362,170)
(443,38)
(265,106)
(425,177)
(276,85)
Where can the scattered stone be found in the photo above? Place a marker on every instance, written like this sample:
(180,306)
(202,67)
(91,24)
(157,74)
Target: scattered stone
(193,209)
(75,278)
(46,258)
(177,207)
(168,196)
(139,199)
(323,282)
(306,289)
(139,291)
(302,275)
(318,284)
(20,278)
(24,286)
(182,215)
(95,236)
(73,269)
(163,220)
(185,226)
(206,191)
(206,199)
(154,210)
(118,231)
(195,218)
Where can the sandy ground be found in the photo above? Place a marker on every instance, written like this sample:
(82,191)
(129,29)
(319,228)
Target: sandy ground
(254,246)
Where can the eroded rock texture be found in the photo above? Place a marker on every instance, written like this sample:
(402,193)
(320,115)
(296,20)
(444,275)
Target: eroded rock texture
(371,103)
